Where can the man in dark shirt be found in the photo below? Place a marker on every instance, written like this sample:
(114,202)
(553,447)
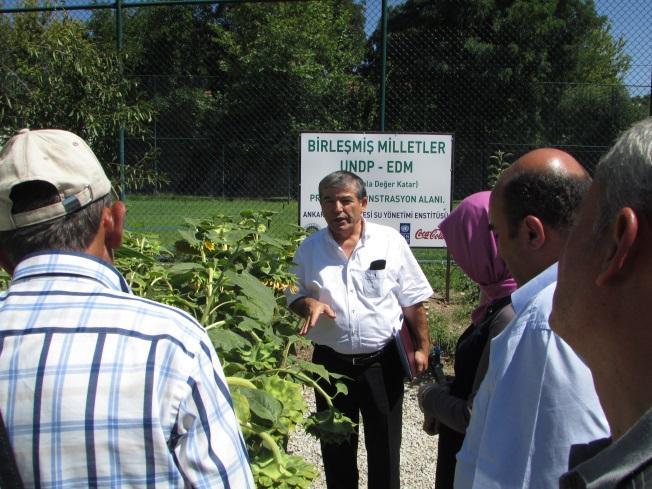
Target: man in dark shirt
(601,309)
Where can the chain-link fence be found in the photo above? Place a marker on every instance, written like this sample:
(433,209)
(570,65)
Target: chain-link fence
(216,94)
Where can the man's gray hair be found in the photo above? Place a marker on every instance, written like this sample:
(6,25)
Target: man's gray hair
(342,179)
(624,174)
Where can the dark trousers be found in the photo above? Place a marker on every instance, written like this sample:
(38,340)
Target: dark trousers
(450,442)
(376,391)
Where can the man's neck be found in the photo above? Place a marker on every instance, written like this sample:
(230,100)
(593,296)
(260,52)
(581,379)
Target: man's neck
(624,388)
(349,242)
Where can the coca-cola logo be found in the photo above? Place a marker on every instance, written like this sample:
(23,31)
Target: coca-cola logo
(434,234)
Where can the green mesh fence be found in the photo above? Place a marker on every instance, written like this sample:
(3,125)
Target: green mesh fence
(212,96)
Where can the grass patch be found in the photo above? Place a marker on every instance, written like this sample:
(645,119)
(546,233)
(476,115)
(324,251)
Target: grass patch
(165,214)
(448,319)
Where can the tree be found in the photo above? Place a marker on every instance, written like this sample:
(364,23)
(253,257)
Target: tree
(54,76)
(229,115)
(288,67)
(496,71)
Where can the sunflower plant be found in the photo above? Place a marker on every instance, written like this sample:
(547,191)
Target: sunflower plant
(230,273)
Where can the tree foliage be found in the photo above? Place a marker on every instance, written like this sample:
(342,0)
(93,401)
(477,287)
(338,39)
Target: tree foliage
(53,75)
(505,71)
(259,73)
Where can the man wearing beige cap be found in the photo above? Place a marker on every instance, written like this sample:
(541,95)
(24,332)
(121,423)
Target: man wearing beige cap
(98,388)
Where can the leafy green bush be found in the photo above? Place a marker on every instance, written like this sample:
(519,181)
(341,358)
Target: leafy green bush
(230,274)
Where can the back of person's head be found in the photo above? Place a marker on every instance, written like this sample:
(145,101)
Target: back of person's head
(624,175)
(473,246)
(343,179)
(550,188)
(52,193)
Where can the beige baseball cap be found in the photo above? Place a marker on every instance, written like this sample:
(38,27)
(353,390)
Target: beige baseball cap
(58,157)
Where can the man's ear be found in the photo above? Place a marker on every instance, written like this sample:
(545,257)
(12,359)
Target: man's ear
(533,232)
(114,219)
(620,238)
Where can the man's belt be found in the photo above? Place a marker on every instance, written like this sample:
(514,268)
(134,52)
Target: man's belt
(360,359)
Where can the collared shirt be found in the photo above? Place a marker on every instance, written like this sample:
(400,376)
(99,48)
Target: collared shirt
(367,302)
(101,388)
(537,399)
(625,463)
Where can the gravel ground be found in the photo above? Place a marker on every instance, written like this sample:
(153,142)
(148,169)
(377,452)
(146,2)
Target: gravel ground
(418,450)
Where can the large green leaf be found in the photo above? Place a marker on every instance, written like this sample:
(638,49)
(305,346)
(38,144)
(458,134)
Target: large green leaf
(180,268)
(319,370)
(248,324)
(225,340)
(261,303)
(127,252)
(290,395)
(236,235)
(330,425)
(262,404)
(189,237)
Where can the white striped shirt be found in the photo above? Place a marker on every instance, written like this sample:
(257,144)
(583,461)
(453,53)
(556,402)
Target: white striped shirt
(99,388)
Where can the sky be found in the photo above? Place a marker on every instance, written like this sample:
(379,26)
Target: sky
(632,20)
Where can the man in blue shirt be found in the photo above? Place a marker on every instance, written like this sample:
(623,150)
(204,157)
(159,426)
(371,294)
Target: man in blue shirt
(98,388)
(537,397)
(601,309)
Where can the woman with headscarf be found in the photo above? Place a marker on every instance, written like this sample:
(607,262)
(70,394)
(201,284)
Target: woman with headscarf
(446,408)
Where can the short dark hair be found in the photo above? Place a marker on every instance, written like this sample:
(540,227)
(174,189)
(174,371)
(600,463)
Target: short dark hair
(553,197)
(341,179)
(72,232)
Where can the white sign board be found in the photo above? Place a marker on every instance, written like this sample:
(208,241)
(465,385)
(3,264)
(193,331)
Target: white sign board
(408,179)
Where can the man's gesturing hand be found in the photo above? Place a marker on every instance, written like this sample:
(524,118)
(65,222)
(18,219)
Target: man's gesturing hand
(311,309)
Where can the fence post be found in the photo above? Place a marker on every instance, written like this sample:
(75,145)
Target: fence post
(383,62)
(121,131)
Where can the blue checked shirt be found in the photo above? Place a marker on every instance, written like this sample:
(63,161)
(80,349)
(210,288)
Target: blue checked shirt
(100,388)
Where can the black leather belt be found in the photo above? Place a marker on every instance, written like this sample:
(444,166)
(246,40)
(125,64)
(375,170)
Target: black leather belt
(359,359)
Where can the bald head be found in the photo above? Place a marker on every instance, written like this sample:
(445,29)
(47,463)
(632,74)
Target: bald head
(549,161)
(547,183)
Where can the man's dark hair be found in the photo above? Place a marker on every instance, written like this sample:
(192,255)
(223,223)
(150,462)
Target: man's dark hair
(553,197)
(73,232)
(341,179)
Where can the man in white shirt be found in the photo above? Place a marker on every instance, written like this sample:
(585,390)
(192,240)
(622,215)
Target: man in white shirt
(356,283)
(537,398)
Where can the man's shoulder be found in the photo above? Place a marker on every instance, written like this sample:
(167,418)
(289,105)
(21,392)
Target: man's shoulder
(537,311)
(315,239)
(528,328)
(624,463)
(160,318)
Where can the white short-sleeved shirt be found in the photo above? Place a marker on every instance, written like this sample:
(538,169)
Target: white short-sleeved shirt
(367,302)
(536,400)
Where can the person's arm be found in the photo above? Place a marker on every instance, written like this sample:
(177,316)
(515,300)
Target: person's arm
(310,309)
(417,321)
(450,410)
(498,324)
(208,446)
